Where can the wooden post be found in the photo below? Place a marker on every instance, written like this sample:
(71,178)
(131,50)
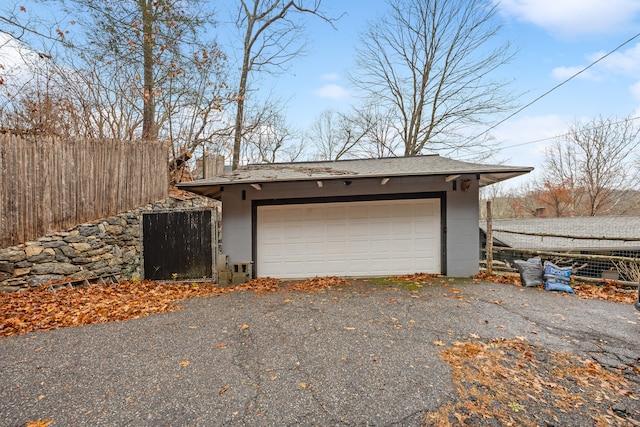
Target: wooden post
(489,243)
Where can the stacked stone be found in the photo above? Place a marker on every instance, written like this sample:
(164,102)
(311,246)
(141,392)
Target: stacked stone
(109,246)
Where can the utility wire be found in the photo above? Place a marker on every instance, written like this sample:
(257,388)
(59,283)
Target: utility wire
(520,144)
(519,110)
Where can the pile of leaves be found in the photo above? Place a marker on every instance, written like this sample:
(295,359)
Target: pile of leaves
(40,308)
(319,283)
(513,279)
(514,383)
(260,286)
(417,278)
(606,290)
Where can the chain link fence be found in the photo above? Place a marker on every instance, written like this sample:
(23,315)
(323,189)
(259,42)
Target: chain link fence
(595,247)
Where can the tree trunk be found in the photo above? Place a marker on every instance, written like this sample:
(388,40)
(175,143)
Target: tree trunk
(149,130)
(242,90)
(237,134)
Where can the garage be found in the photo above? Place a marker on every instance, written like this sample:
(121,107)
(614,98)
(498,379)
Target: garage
(363,238)
(355,217)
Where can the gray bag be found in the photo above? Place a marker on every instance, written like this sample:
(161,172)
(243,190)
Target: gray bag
(531,271)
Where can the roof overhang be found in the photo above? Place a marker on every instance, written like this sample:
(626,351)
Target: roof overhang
(382,169)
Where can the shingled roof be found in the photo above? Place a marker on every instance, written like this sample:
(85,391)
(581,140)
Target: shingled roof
(599,227)
(432,165)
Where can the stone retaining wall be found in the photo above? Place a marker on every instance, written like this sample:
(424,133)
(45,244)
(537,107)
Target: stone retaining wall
(109,246)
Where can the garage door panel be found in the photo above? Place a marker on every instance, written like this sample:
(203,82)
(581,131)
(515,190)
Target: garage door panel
(349,238)
(337,212)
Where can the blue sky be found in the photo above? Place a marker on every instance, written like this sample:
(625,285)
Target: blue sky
(554,39)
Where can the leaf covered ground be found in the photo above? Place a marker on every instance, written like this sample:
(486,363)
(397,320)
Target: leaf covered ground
(499,382)
(41,308)
(513,383)
(606,290)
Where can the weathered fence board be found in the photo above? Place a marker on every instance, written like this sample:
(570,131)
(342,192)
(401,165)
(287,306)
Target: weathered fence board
(51,184)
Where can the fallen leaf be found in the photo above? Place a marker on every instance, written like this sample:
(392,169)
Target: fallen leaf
(223,389)
(220,345)
(184,363)
(440,343)
(245,326)
(41,308)
(303,385)
(40,423)
(320,283)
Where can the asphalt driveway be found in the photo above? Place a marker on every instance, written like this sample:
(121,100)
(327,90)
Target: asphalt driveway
(362,355)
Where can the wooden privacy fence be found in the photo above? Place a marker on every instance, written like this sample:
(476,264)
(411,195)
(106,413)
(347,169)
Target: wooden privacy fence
(49,184)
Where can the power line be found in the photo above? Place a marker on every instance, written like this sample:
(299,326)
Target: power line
(566,134)
(519,110)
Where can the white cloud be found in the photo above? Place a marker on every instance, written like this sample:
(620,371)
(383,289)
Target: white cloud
(571,18)
(625,62)
(635,91)
(524,140)
(13,53)
(18,62)
(563,73)
(333,91)
(330,77)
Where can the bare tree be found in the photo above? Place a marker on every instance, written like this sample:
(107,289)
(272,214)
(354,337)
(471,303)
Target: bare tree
(380,140)
(17,21)
(146,52)
(560,192)
(272,37)
(430,64)
(592,165)
(336,135)
(127,70)
(268,136)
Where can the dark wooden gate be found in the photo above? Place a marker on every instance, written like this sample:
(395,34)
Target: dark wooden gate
(178,245)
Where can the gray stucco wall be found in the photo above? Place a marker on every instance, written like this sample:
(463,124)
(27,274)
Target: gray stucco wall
(462,237)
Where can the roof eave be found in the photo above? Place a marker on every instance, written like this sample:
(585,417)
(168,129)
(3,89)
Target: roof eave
(486,178)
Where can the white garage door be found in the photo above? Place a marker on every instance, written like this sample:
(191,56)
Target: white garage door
(373,238)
